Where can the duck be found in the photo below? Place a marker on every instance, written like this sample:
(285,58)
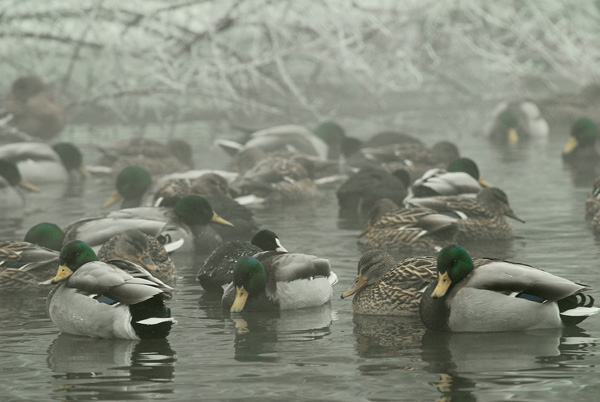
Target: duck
(592,202)
(386,287)
(271,281)
(46,234)
(25,266)
(289,137)
(275,180)
(34,109)
(461,177)
(100,300)
(10,181)
(407,229)
(217,270)
(142,249)
(41,163)
(479,218)
(155,157)
(132,183)
(516,122)
(568,107)
(582,148)
(362,189)
(208,184)
(489,295)
(186,222)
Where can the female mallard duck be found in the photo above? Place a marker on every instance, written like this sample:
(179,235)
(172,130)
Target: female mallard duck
(516,122)
(385,287)
(461,177)
(568,107)
(24,266)
(10,197)
(479,218)
(217,270)
(272,281)
(155,157)
(581,150)
(592,203)
(188,219)
(34,109)
(142,249)
(101,300)
(209,184)
(492,295)
(277,179)
(40,163)
(416,229)
(131,185)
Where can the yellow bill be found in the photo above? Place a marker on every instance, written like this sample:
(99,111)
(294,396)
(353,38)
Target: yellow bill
(217,219)
(241,295)
(27,185)
(442,286)
(513,137)
(113,199)
(571,145)
(63,273)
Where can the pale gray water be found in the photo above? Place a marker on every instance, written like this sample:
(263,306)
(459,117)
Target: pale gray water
(325,353)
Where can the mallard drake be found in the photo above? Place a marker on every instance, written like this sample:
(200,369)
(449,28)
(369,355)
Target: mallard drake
(479,218)
(386,287)
(188,219)
(217,270)
(592,202)
(131,185)
(280,138)
(581,150)
(488,295)
(272,281)
(276,179)
(415,229)
(40,163)
(516,122)
(142,249)
(461,177)
(24,266)
(46,234)
(34,109)
(362,189)
(154,156)
(100,300)
(10,197)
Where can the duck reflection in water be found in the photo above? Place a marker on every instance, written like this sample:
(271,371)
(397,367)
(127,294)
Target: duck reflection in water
(115,368)
(493,361)
(260,336)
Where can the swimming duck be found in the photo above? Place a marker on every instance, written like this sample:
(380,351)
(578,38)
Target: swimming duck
(34,108)
(188,219)
(207,184)
(131,185)
(386,287)
(40,163)
(461,177)
(25,266)
(217,270)
(272,281)
(154,156)
(592,202)
(362,189)
(516,122)
(277,179)
(142,249)
(415,229)
(581,150)
(479,218)
(569,107)
(10,197)
(100,300)
(488,295)
(46,234)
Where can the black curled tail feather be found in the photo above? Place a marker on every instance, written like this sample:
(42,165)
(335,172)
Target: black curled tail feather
(151,308)
(572,302)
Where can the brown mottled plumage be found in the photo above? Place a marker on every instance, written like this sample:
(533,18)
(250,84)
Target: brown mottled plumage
(394,228)
(135,246)
(205,185)
(24,265)
(481,218)
(386,287)
(592,203)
